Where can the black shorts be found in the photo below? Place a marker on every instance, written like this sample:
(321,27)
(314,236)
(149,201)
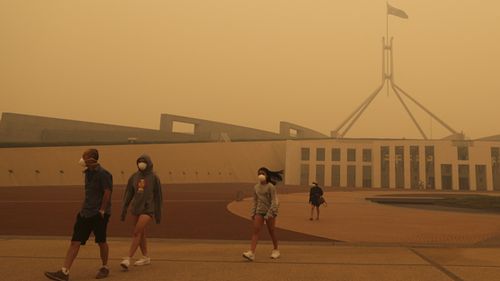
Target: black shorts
(84,226)
(315,203)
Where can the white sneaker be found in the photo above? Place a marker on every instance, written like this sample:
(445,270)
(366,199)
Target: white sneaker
(275,254)
(143,261)
(249,255)
(125,263)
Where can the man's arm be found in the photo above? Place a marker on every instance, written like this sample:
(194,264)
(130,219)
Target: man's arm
(105,201)
(107,185)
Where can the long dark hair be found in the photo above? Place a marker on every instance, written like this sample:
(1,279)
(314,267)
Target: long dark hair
(272,176)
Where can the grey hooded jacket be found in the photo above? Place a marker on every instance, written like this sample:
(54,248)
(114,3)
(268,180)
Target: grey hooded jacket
(143,193)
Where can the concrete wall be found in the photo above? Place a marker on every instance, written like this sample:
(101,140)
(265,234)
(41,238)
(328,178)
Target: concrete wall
(175,163)
(19,128)
(27,129)
(205,130)
(301,132)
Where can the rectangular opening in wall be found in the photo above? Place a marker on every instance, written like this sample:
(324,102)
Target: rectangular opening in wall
(304,174)
(481,177)
(400,167)
(384,167)
(429,168)
(446,177)
(415,168)
(463,177)
(183,128)
(495,165)
(320,154)
(336,175)
(351,154)
(293,133)
(367,155)
(320,174)
(336,154)
(463,153)
(305,154)
(351,176)
(367,176)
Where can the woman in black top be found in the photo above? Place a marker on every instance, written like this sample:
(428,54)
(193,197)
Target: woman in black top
(315,199)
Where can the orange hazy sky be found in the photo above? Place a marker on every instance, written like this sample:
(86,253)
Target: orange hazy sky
(252,63)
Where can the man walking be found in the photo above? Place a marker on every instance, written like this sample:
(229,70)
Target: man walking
(93,217)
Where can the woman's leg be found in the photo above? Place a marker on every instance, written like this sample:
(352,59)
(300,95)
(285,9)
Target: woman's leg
(317,212)
(258,221)
(141,224)
(271,223)
(143,245)
(135,219)
(312,211)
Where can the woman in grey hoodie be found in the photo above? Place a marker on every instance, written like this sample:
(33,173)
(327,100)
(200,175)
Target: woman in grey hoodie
(144,194)
(265,209)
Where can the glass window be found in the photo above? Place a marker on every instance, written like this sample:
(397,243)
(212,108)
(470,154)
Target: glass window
(367,176)
(400,167)
(351,154)
(463,177)
(481,177)
(495,165)
(320,174)
(320,154)
(415,168)
(463,152)
(384,166)
(367,155)
(446,177)
(336,175)
(429,168)
(351,176)
(336,154)
(305,154)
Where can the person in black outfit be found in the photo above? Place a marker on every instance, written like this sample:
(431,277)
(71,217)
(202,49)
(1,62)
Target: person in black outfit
(92,217)
(315,199)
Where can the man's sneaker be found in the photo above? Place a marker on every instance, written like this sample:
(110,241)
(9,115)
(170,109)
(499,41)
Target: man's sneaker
(249,255)
(102,273)
(125,263)
(275,254)
(58,276)
(143,261)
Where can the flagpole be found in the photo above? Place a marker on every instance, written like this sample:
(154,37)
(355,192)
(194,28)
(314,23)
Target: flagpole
(387,42)
(387,25)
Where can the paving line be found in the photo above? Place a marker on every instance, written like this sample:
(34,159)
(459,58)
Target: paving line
(439,267)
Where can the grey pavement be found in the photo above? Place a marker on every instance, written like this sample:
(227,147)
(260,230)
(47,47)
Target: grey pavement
(26,258)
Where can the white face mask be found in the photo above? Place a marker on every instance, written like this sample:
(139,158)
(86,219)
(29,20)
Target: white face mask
(81,162)
(142,166)
(262,178)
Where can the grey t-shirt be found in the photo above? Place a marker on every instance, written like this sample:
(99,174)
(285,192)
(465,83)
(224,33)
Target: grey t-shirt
(96,182)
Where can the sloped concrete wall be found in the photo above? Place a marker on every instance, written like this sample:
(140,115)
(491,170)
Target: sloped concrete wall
(19,128)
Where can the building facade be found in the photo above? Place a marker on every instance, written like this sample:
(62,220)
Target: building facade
(396,164)
(351,163)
